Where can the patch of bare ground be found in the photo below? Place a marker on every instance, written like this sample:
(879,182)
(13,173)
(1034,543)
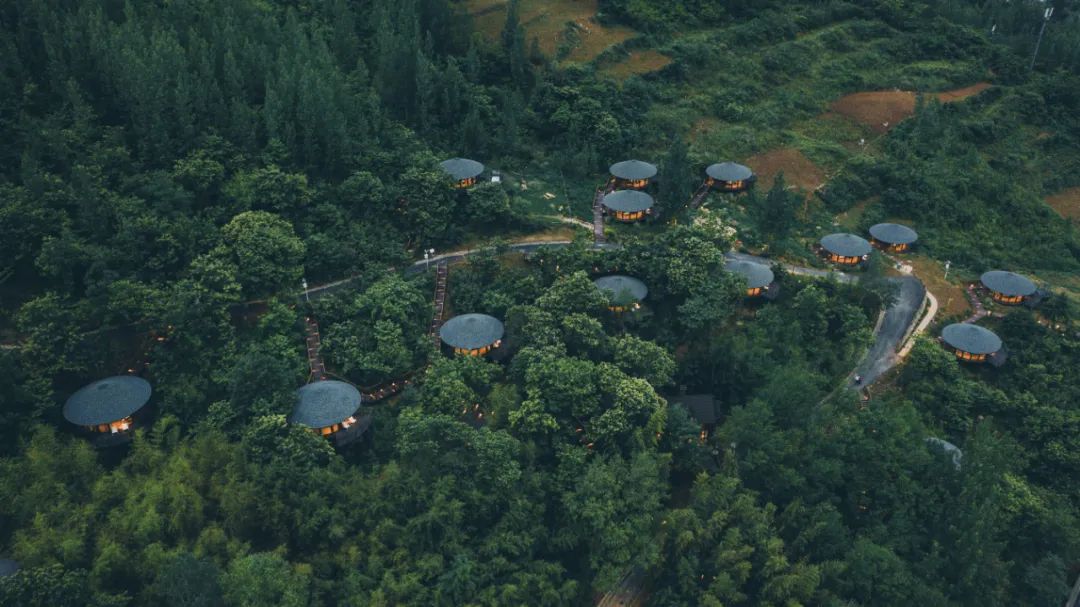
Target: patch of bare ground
(638,62)
(1066,203)
(883,110)
(549,21)
(798,170)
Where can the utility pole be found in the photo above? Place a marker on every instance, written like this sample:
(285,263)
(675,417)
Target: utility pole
(1042,30)
(1075,594)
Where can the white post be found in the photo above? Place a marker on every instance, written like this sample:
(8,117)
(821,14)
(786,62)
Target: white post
(947,264)
(303,282)
(1038,41)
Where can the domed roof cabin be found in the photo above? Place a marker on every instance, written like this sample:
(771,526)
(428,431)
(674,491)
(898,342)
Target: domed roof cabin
(632,174)
(759,277)
(970,342)
(463,171)
(893,237)
(1008,287)
(729,177)
(845,249)
(624,293)
(329,408)
(108,407)
(472,334)
(628,205)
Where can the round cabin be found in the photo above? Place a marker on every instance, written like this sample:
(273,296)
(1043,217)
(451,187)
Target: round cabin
(632,174)
(893,237)
(971,342)
(472,334)
(8,567)
(1008,287)
(845,249)
(758,276)
(327,407)
(108,406)
(624,293)
(729,177)
(463,171)
(628,205)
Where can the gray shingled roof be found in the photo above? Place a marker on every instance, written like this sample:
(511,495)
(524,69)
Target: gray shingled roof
(847,245)
(619,287)
(471,331)
(633,170)
(462,168)
(729,171)
(107,400)
(701,407)
(1008,283)
(628,201)
(325,403)
(8,567)
(971,338)
(893,233)
(757,275)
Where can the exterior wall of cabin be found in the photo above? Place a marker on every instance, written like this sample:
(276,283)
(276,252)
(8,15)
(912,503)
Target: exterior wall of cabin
(464,183)
(627,308)
(478,351)
(726,186)
(754,292)
(969,357)
(635,216)
(328,430)
(891,248)
(1010,300)
(630,184)
(120,425)
(849,261)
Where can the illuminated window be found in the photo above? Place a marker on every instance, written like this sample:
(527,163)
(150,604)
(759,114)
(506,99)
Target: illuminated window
(464,183)
(844,260)
(121,425)
(1007,299)
(978,358)
(478,351)
(632,184)
(629,216)
(754,292)
(898,248)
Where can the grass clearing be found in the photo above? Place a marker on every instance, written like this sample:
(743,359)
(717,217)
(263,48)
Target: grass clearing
(550,23)
(636,63)
(883,110)
(1066,203)
(798,170)
(951,296)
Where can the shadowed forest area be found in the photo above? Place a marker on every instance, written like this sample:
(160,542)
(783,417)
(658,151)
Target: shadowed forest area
(236,199)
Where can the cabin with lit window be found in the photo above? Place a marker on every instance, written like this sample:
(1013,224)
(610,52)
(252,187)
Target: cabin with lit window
(760,281)
(893,237)
(627,205)
(729,177)
(472,334)
(1008,288)
(463,171)
(972,343)
(632,174)
(329,408)
(624,293)
(701,407)
(845,249)
(108,408)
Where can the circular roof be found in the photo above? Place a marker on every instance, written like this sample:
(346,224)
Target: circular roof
(729,171)
(107,400)
(471,331)
(971,338)
(617,286)
(1008,283)
(633,170)
(893,233)
(462,168)
(8,567)
(757,275)
(846,245)
(324,403)
(628,201)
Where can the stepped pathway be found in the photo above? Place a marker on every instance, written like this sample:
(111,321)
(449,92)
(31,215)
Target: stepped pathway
(700,195)
(598,216)
(442,271)
(314,350)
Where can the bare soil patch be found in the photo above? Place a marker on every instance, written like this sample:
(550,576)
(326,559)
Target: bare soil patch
(797,168)
(883,110)
(638,62)
(547,21)
(1066,203)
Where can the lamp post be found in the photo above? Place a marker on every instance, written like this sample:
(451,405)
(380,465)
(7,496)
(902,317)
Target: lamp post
(947,264)
(303,282)
(1046,19)
(428,253)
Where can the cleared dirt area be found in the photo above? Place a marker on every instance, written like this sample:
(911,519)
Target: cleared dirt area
(797,168)
(638,62)
(950,295)
(883,110)
(1066,203)
(549,21)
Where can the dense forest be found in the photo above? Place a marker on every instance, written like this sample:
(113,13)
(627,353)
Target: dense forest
(174,176)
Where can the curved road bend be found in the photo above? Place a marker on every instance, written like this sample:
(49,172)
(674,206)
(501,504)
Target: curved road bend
(881,356)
